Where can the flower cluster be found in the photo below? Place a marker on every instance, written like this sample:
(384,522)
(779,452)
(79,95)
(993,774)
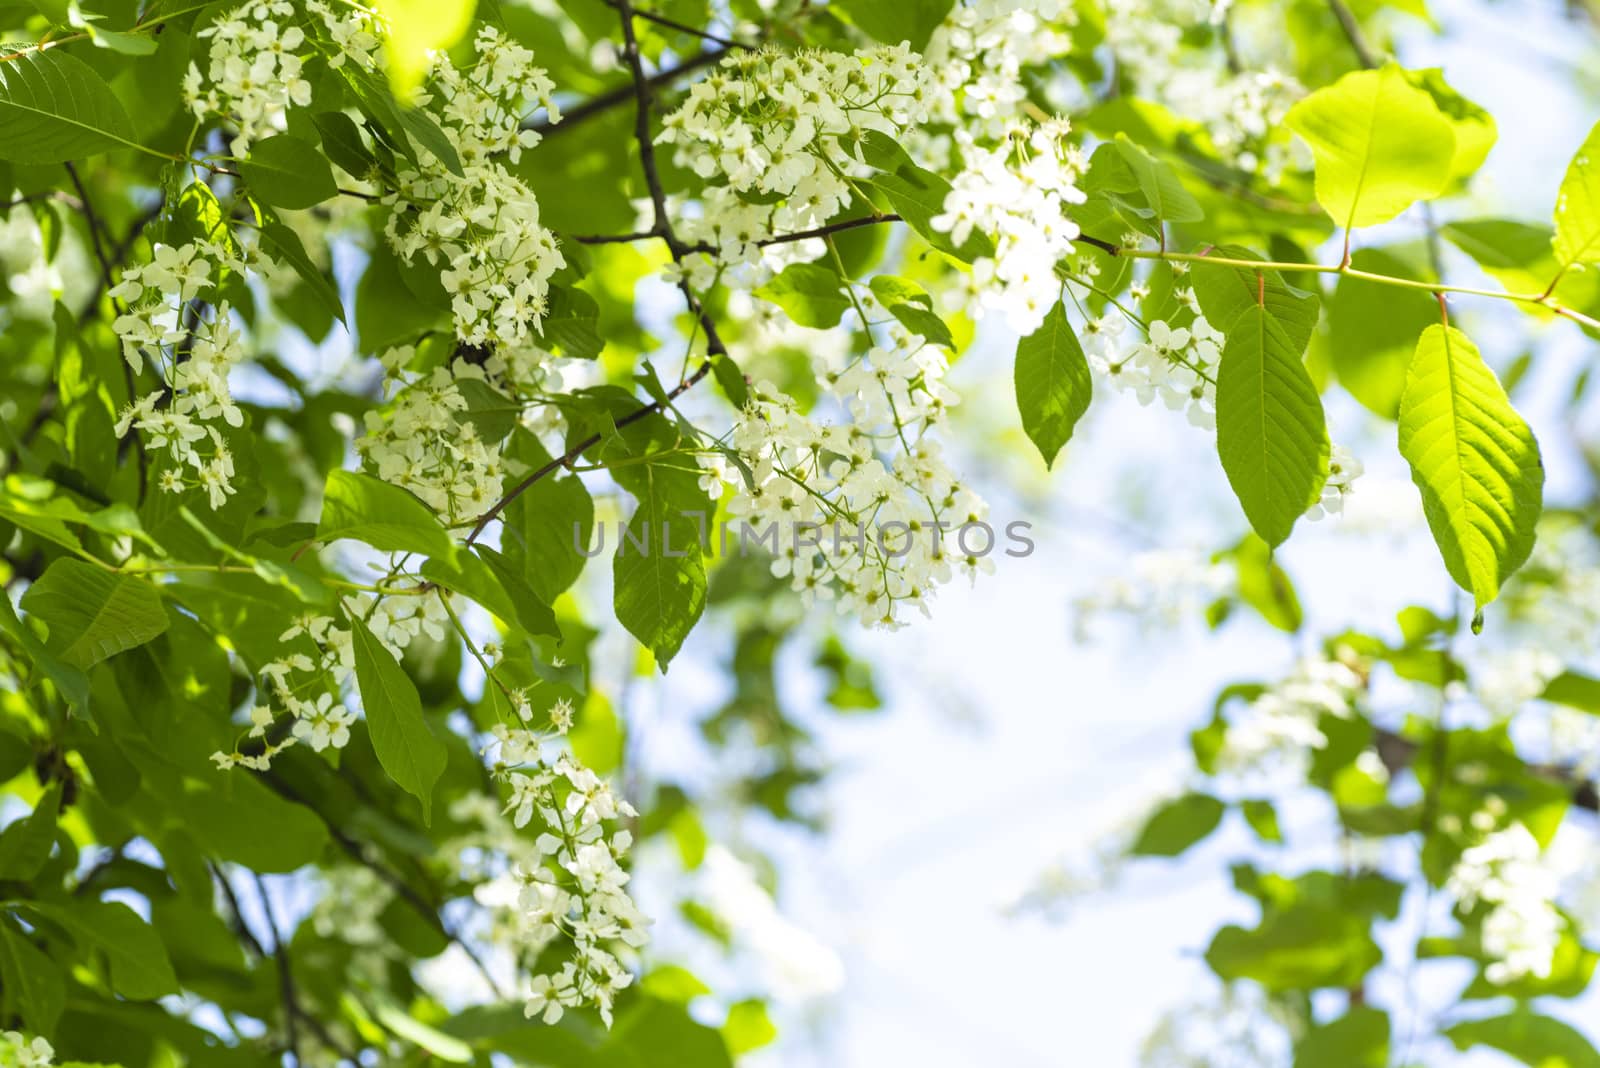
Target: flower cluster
(568,881)
(1177,364)
(1343,470)
(1522,926)
(1160,588)
(19,1051)
(1242,111)
(166,321)
(1015,194)
(978,53)
(255,67)
(865,511)
(481,228)
(771,127)
(319,665)
(424,443)
(1281,727)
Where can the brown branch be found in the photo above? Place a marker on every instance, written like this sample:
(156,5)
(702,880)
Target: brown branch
(623,93)
(1353,33)
(662,20)
(776,239)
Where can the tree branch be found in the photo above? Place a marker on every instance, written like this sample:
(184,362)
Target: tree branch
(623,93)
(1353,33)
(661,20)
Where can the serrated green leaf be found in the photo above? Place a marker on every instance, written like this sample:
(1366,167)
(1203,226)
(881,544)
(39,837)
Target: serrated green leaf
(288,172)
(406,746)
(1577,214)
(1380,143)
(1474,460)
(55,108)
(92,613)
(1053,384)
(1271,433)
(1162,190)
(917,196)
(386,517)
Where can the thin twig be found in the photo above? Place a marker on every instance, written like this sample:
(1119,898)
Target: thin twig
(1352,32)
(623,93)
(662,20)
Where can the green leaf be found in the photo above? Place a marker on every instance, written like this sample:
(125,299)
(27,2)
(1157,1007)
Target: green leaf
(1265,586)
(913,307)
(440,1045)
(1373,329)
(917,196)
(1537,1041)
(1271,434)
(1380,145)
(1474,127)
(386,517)
(341,140)
(810,293)
(659,570)
(406,747)
(137,960)
(411,127)
(1302,947)
(54,108)
(1226,293)
(1177,825)
(748,1027)
(73,683)
(288,172)
(530,609)
(1358,1039)
(30,982)
(1263,819)
(1518,255)
(1474,460)
(546,526)
(1052,383)
(1577,214)
(284,245)
(1162,190)
(25,845)
(92,613)
(571,324)
(1575,691)
(911,21)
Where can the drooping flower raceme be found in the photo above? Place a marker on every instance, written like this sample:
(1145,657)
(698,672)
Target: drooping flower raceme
(481,227)
(176,320)
(1522,927)
(771,129)
(864,511)
(1016,194)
